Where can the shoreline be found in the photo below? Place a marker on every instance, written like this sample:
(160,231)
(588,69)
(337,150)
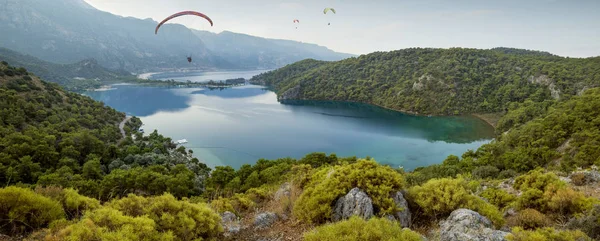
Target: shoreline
(491,118)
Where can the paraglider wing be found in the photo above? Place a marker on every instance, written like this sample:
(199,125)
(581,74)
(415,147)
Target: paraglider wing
(183,14)
(328,9)
(296,21)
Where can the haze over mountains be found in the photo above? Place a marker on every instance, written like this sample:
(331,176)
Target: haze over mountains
(69,31)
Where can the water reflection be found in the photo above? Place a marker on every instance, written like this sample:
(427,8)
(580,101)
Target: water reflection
(236,126)
(141,101)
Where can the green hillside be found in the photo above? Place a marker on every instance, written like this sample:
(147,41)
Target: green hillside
(438,81)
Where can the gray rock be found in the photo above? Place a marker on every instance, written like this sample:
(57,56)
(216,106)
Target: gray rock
(468,225)
(589,177)
(291,94)
(231,223)
(283,191)
(356,202)
(264,220)
(510,212)
(403,216)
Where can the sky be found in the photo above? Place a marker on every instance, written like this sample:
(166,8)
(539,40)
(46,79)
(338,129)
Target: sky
(564,27)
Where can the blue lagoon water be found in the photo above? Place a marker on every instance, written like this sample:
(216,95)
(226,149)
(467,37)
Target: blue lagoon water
(240,125)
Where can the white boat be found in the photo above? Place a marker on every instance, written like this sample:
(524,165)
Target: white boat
(182,141)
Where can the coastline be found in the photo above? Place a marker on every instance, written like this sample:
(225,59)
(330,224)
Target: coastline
(491,119)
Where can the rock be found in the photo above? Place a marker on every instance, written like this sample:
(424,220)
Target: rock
(404,216)
(228,217)
(356,202)
(586,177)
(231,223)
(510,212)
(291,94)
(468,225)
(264,220)
(283,191)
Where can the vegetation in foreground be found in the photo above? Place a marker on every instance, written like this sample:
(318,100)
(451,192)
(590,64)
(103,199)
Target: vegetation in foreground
(70,175)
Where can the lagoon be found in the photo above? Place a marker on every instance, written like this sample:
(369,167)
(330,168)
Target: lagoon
(239,125)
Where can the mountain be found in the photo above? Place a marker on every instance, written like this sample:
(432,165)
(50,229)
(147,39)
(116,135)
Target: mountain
(437,81)
(68,31)
(85,73)
(256,52)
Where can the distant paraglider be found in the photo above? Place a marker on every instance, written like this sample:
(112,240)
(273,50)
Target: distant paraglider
(183,14)
(296,21)
(326,10)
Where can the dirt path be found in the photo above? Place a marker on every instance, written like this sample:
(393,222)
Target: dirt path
(122,125)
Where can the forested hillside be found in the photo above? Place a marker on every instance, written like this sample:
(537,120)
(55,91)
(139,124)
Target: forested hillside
(438,81)
(68,174)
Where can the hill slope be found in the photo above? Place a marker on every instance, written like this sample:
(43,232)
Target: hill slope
(437,81)
(256,52)
(68,31)
(86,73)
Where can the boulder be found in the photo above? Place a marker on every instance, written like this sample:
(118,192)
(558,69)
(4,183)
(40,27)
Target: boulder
(403,216)
(356,202)
(586,177)
(264,220)
(468,225)
(283,191)
(231,223)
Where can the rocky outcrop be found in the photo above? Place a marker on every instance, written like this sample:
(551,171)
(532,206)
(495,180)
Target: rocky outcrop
(356,202)
(265,220)
(404,217)
(582,178)
(291,94)
(468,225)
(231,223)
(546,81)
(283,191)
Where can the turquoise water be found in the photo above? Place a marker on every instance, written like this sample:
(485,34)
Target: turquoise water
(240,125)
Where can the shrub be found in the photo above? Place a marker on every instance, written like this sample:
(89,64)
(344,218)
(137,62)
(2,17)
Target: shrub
(26,77)
(72,202)
(588,223)
(185,220)
(536,179)
(439,197)
(22,210)
(328,184)
(578,179)
(547,234)
(507,174)
(357,229)
(498,197)
(9,72)
(109,224)
(484,172)
(529,219)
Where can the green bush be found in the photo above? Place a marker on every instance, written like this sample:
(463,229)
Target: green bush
(498,197)
(185,220)
(439,197)
(537,179)
(547,234)
(529,219)
(507,174)
(328,184)
(22,210)
(357,229)
(484,172)
(109,224)
(578,179)
(588,223)
(72,202)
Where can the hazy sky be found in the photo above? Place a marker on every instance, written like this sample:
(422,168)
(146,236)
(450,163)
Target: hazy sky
(563,27)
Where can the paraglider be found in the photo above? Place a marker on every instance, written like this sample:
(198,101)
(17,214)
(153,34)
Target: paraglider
(189,58)
(183,14)
(296,21)
(329,10)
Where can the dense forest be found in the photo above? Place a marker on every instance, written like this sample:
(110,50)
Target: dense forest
(69,174)
(438,81)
